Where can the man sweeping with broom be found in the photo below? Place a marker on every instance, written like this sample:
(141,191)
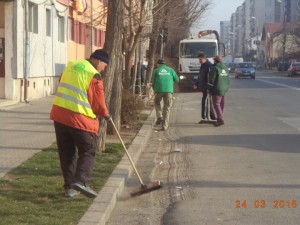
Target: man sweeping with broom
(78,103)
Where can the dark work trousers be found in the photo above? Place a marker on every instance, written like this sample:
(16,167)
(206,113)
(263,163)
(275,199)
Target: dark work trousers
(75,166)
(204,108)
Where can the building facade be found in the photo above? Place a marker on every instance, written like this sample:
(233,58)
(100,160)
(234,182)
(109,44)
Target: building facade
(225,35)
(38,38)
(247,24)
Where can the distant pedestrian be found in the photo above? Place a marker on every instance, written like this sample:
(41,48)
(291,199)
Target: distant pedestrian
(218,85)
(163,79)
(202,85)
(78,103)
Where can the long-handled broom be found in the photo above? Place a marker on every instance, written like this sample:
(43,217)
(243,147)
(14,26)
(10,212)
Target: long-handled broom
(144,188)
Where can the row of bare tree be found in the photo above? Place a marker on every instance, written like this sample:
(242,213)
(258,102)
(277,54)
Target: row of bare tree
(131,24)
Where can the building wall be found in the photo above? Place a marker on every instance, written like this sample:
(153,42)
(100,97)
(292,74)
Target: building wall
(46,55)
(2,62)
(239,31)
(232,34)
(225,35)
(295,11)
(79,32)
(291,46)
(247,21)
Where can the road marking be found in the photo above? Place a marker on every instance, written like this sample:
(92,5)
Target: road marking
(281,85)
(291,121)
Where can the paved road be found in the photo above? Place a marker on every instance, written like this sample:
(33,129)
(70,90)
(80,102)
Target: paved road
(245,172)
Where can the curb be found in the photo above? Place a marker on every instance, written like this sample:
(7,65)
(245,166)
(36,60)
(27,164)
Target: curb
(102,206)
(5,103)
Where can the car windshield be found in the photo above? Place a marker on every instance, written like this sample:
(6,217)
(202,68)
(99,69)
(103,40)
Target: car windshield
(296,64)
(231,65)
(245,65)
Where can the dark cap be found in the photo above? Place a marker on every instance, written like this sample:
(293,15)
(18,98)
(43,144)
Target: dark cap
(100,54)
(218,58)
(161,61)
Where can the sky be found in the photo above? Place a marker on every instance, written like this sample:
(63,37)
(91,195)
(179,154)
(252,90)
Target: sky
(220,10)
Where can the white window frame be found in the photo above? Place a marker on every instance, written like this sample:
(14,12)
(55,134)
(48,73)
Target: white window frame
(33,18)
(48,22)
(61,28)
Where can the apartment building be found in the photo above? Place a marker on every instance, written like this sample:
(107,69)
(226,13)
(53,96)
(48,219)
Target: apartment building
(38,38)
(81,39)
(251,17)
(34,46)
(225,35)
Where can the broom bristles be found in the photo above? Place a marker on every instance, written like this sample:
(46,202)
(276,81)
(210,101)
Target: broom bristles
(146,188)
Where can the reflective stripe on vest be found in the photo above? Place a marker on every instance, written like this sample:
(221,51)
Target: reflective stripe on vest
(72,89)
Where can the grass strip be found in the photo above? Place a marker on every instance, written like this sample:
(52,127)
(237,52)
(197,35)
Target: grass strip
(33,194)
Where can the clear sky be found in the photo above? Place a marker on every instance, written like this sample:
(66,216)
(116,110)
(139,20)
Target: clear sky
(220,10)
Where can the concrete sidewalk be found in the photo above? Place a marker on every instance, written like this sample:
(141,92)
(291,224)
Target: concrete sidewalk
(25,129)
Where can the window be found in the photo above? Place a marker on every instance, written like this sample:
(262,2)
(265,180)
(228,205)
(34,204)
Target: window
(102,40)
(81,33)
(33,18)
(48,22)
(61,30)
(95,37)
(70,29)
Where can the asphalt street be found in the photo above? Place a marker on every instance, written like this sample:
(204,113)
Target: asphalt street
(243,173)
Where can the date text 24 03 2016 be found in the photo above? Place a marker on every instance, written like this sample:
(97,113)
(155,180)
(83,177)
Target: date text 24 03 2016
(261,204)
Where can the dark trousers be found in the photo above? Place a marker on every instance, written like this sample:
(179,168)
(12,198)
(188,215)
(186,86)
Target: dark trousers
(75,165)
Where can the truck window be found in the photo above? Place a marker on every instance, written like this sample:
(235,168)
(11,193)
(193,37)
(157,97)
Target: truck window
(192,50)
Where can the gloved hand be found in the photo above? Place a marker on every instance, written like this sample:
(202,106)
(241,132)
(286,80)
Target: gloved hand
(107,117)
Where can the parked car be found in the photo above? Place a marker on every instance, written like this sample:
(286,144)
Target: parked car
(231,67)
(245,69)
(283,66)
(294,69)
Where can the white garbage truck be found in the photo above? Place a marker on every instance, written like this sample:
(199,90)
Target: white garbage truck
(207,42)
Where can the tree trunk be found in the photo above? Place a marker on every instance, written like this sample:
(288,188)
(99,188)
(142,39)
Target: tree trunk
(113,45)
(116,98)
(157,21)
(128,67)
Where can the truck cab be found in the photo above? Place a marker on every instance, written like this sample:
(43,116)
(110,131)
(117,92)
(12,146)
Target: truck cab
(207,42)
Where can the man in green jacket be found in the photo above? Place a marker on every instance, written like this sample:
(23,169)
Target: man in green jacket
(163,79)
(218,85)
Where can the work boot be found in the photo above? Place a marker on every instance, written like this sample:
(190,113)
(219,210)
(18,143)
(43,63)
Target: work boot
(86,190)
(159,121)
(163,128)
(71,193)
(219,123)
(213,117)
